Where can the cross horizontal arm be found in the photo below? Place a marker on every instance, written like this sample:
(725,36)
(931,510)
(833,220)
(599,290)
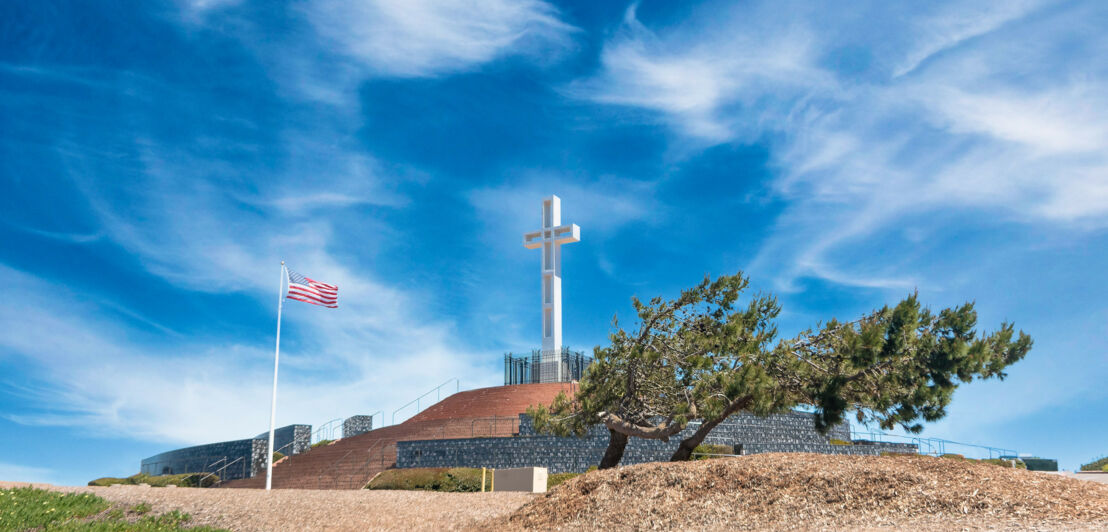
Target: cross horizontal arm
(567,233)
(563,234)
(532,240)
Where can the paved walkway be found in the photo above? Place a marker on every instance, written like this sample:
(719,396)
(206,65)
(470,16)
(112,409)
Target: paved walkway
(1092,476)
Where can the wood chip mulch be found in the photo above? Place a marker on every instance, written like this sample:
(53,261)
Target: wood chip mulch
(810,491)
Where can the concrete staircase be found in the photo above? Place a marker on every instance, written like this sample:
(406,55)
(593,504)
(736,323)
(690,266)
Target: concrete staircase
(349,463)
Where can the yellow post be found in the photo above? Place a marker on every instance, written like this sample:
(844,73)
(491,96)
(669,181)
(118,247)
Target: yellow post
(482,480)
(492,482)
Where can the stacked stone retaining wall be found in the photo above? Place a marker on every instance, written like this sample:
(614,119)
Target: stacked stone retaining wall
(246,457)
(355,425)
(745,433)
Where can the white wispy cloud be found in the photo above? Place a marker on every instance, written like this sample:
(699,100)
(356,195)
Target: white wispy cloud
(710,88)
(21,473)
(600,206)
(323,50)
(205,226)
(108,378)
(985,121)
(424,38)
(947,26)
(945,118)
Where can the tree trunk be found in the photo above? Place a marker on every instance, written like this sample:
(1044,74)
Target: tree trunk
(614,453)
(685,450)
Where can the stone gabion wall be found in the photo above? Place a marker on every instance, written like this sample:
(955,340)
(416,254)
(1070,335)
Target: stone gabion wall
(249,453)
(290,439)
(302,435)
(791,427)
(747,434)
(355,425)
(201,458)
(259,448)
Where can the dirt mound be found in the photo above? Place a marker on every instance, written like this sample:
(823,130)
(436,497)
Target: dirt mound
(806,491)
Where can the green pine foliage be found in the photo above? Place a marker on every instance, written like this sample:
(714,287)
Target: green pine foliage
(705,355)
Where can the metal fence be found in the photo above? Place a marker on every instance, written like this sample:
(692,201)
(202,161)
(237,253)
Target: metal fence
(936,446)
(545,366)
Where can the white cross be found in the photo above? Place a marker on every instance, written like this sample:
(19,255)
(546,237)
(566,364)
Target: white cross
(550,238)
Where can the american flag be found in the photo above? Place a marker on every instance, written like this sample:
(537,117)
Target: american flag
(309,291)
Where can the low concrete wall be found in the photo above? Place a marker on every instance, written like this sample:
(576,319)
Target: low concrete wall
(529,479)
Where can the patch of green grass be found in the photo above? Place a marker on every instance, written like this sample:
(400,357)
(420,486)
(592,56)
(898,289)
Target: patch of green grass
(185,480)
(454,479)
(167,522)
(321,443)
(35,509)
(1096,465)
(29,508)
(705,450)
(994,461)
(558,478)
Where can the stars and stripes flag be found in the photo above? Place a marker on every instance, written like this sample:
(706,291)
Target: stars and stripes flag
(311,291)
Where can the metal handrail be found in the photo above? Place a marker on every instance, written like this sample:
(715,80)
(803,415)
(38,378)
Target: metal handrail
(512,421)
(319,479)
(369,452)
(371,416)
(436,390)
(328,426)
(220,470)
(935,446)
(200,482)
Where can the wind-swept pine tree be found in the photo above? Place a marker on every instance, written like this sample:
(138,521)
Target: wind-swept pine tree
(702,356)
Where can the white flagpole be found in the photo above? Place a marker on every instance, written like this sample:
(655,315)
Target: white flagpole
(273,405)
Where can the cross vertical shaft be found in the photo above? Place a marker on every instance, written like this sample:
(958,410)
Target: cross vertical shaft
(550,239)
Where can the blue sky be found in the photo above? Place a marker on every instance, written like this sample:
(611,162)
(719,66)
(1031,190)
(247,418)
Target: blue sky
(159,159)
